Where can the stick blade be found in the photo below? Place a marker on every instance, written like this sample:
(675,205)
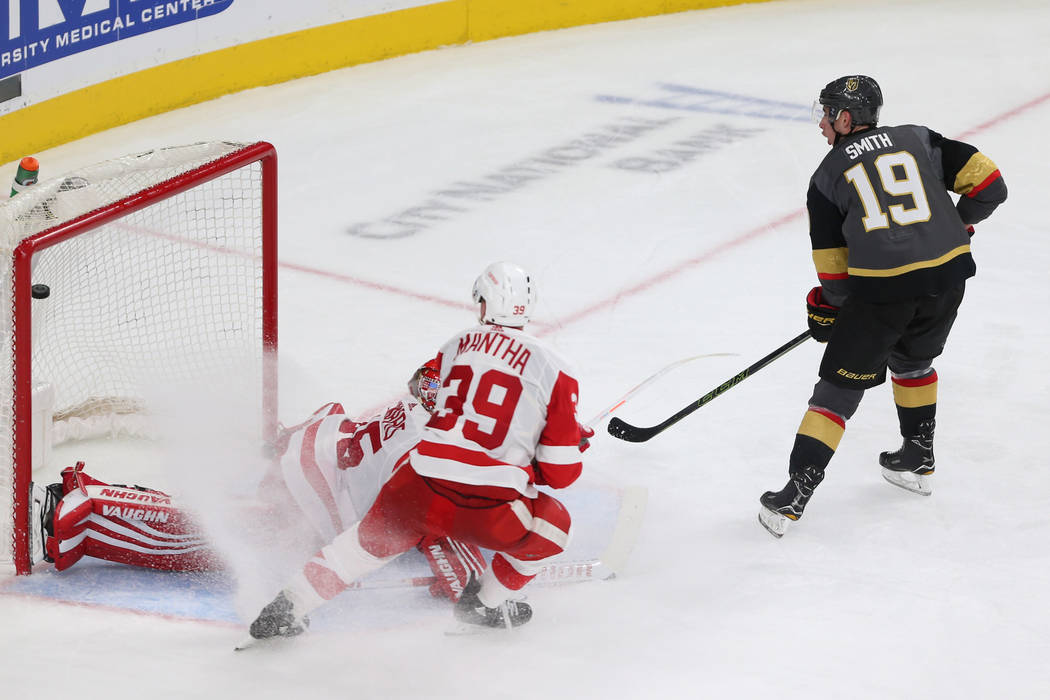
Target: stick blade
(625,431)
(633,502)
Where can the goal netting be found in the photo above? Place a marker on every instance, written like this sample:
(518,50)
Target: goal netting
(153,267)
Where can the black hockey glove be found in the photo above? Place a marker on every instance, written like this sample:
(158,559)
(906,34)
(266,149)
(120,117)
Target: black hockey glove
(820,316)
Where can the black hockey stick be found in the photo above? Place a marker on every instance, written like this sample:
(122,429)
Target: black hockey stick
(631,433)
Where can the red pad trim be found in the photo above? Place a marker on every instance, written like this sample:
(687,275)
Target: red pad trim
(920,381)
(326,583)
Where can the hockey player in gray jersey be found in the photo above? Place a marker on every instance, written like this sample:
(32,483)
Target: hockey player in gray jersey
(892,253)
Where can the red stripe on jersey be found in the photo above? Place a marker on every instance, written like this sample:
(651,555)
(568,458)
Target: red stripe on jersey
(562,431)
(833,276)
(920,381)
(987,181)
(314,477)
(459,454)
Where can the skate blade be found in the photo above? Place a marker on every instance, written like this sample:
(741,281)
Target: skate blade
(249,643)
(775,523)
(464,629)
(269,642)
(916,483)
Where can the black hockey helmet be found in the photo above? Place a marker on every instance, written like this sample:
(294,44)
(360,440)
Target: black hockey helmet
(860,95)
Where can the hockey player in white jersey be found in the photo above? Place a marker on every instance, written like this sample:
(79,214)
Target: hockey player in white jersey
(504,423)
(330,466)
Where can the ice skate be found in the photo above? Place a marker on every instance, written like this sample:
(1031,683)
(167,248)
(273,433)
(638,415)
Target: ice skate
(911,466)
(780,508)
(474,616)
(277,620)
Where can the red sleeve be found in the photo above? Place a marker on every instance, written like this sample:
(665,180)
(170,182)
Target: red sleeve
(558,461)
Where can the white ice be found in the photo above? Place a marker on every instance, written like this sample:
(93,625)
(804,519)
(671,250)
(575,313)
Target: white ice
(876,593)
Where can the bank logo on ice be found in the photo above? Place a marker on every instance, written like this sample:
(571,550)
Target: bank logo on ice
(35,32)
(694,99)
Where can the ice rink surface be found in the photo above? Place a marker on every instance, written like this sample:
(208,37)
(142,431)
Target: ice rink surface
(651,175)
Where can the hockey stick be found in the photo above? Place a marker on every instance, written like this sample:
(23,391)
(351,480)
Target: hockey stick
(646,382)
(625,431)
(611,561)
(625,533)
(565,572)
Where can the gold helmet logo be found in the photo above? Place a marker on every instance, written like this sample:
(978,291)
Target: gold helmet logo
(852,84)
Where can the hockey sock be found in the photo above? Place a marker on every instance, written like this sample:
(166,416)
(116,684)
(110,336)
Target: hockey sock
(506,575)
(817,439)
(916,399)
(333,569)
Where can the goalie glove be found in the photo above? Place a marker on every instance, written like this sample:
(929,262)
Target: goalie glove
(820,316)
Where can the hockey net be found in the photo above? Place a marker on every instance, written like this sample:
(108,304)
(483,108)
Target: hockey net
(154,267)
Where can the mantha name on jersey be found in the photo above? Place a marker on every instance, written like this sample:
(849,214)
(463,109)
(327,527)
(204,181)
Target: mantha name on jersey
(505,415)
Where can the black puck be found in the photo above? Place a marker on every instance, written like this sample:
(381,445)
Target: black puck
(41,291)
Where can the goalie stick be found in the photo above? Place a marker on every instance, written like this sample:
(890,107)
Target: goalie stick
(631,433)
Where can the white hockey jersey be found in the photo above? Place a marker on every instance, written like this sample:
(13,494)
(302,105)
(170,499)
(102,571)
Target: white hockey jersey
(505,415)
(334,465)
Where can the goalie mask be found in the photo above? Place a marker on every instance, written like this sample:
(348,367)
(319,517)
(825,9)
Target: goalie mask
(508,293)
(425,384)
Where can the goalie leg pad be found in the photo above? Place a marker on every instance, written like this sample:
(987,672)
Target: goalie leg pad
(452,563)
(66,546)
(127,525)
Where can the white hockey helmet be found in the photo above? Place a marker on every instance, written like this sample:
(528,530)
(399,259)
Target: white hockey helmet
(508,293)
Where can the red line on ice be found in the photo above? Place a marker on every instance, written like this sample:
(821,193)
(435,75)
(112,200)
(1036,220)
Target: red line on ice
(659,278)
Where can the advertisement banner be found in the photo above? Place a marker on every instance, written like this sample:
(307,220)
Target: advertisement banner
(35,32)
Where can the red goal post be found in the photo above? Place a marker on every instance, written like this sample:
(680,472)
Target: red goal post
(157,264)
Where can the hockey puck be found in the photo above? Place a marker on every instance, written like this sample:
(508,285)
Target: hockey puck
(41,291)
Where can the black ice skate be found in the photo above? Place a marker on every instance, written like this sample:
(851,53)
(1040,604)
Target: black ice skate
(475,616)
(278,619)
(788,504)
(911,465)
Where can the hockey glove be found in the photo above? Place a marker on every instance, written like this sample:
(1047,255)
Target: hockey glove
(821,316)
(585,437)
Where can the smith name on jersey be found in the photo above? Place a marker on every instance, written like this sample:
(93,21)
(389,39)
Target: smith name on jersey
(882,224)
